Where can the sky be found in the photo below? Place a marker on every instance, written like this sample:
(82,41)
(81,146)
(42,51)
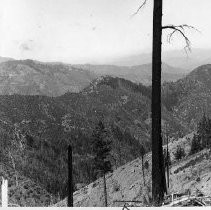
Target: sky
(88,31)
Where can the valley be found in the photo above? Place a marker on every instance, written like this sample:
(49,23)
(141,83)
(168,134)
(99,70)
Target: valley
(36,129)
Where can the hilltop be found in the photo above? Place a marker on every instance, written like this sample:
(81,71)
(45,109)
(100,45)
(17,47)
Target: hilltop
(29,77)
(190,97)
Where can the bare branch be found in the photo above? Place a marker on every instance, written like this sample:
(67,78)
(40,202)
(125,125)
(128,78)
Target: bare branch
(140,7)
(180,29)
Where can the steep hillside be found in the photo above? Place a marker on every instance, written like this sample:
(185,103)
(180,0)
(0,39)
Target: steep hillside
(28,77)
(23,191)
(126,183)
(126,103)
(138,74)
(36,130)
(30,131)
(188,98)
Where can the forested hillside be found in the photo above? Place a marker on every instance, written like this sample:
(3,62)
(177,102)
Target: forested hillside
(36,130)
(190,97)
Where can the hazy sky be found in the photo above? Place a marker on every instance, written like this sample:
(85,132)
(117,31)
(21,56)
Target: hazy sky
(79,31)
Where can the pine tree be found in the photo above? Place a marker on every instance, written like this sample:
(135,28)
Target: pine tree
(101,149)
(208,132)
(118,135)
(204,131)
(196,145)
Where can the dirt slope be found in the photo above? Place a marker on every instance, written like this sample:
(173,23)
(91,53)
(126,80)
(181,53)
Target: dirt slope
(126,183)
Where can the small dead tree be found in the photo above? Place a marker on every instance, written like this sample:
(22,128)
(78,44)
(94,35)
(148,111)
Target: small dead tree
(167,160)
(142,161)
(14,167)
(70,178)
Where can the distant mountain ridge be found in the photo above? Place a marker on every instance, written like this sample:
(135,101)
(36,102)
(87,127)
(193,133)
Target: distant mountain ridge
(4,59)
(177,58)
(138,74)
(28,77)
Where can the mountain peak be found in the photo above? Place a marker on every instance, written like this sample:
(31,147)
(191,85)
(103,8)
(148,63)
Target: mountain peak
(203,68)
(201,73)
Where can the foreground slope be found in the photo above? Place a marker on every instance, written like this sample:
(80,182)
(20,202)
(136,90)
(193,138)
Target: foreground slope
(126,183)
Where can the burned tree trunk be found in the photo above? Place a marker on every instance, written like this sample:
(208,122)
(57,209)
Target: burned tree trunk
(142,163)
(70,178)
(105,190)
(143,151)
(158,171)
(168,160)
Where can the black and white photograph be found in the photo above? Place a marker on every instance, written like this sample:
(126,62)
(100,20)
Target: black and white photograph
(105,103)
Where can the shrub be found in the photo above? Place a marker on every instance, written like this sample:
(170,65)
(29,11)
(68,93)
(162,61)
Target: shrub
(146,165)
(198,179)
(116,186)
(180,153)
(192,162)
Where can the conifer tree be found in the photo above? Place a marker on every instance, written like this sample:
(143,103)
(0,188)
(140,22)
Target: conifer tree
(101,148)
(204,131)
(180,153)
(196,145)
